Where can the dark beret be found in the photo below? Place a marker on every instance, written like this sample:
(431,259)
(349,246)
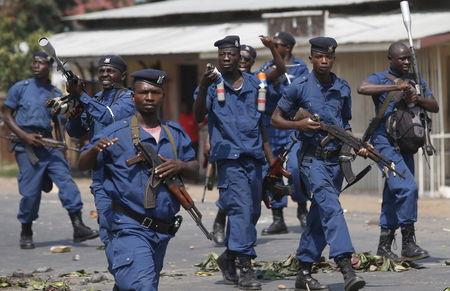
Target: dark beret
(249,49)
(114,61)
(323,44)
(43,55)
(152,76)
(228,41)
(285,37)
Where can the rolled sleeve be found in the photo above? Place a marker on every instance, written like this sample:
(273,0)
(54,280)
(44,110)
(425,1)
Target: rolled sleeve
(13,98)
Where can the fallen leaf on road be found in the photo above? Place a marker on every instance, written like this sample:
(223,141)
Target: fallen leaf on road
(43,270)
(76,274)
(210,264)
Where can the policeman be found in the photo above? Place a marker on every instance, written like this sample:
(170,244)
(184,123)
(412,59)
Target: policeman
(236,147)
(248,57)
(399,207)
(32,120)
(280,72)
(139,236)
(113,103)
(321,92)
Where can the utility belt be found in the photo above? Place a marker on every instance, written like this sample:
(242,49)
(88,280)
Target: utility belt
(321,153)
(152,223)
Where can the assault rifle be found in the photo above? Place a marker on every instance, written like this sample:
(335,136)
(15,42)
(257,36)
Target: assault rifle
(347,138)
(175,185)
(272,183)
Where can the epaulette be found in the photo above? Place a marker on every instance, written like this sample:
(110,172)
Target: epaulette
(302,79)
(108,130)
(173,124)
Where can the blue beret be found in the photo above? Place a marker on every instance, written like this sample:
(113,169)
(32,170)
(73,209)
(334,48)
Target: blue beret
(152,76)
(285,37)
(323,44)
(43,55)
(228,41)
(114,61)
(249,49)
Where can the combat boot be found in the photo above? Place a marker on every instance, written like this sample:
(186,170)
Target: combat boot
(387,236)
(26,237)
(219,227)
(227,264)
(81,232)
(278,226)
(302,213)
(410,250)
(352,282)
(247,276)
(305,281)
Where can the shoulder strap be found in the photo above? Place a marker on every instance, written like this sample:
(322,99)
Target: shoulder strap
(134,130)
(171,140)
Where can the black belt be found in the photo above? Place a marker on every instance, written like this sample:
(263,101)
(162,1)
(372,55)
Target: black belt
(152,223)
(321,153)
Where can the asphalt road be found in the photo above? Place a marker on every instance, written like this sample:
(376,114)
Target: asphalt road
(190,247)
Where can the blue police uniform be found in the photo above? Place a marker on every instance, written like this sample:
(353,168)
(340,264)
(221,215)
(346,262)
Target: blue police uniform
(135,253)
(105,108)
(27,98)
(399,206)
(322,177)
(280,138)
(236,147)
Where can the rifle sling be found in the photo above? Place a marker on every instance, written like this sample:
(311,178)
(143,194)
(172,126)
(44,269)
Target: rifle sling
(153,182)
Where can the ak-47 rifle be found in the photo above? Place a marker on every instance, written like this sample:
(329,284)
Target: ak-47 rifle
(67,105)
(175,185)
(347,138)
(272,182)
(46,142)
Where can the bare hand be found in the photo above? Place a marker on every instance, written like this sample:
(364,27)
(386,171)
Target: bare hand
(410,97)
(307,124)
(104,143)
(169,168)
(402,85)
(75,88)
(364,152)
(33,139)
(209,77)
(266,40)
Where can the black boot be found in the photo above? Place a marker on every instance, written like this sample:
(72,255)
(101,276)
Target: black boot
(352,282)
(302,213)
(247,276)
(81,232)
(26,237)
(305,281)
(278,226)
(227,264)
(387,236)
(219,227)
(410,250)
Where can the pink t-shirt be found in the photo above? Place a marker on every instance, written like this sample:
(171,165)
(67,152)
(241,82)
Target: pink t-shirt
(155,132)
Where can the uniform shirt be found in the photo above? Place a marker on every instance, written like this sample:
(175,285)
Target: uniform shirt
(103,109)
(332,103)
(381,78)
(27,98)
(278,138)
(234,125)
(126,185)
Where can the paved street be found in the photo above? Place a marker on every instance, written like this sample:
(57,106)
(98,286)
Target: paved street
(190,247)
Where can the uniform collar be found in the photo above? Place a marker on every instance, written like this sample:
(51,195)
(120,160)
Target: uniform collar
(334,80)
(245,84)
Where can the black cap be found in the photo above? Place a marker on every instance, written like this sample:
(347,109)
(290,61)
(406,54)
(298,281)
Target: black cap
(228,41)
(43,55)
(249,49)
(323,44)
(285,37)
(152,76)
(114,61)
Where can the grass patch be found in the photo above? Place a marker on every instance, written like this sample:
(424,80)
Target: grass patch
(10,170)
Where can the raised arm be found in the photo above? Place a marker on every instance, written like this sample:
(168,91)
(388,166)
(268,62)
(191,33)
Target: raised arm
(280,67)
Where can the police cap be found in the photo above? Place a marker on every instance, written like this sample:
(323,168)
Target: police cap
(285,37)
(228,41)
(323,44)
(43,55)
(249,49)
(152,76)
(114,61)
